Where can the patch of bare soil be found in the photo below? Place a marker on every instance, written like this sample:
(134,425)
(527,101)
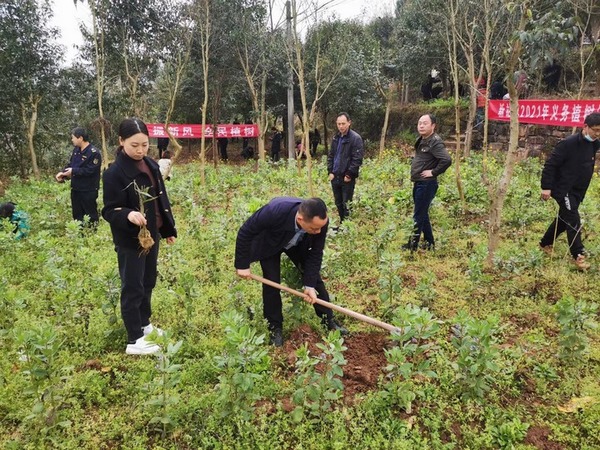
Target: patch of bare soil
(365,357)
(538,437)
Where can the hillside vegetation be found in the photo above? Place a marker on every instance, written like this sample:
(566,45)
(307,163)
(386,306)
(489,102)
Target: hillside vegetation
(486,359)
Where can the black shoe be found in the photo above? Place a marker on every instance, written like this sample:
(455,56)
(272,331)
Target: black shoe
(427,246)
(409,246)
(332,325)
(276,337)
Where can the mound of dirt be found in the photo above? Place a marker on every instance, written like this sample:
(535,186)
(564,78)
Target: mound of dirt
(365,357)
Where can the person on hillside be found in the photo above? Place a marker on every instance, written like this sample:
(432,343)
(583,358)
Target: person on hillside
(344,159)
(131,183)
(276,138)
(497,89)
(315,140)
(430,161)
(222,142)
(297,228)
(433,87)
(83,170)
(18,218)
(165,165)
(300,153)
(481,96)
(566,176)
(162,143)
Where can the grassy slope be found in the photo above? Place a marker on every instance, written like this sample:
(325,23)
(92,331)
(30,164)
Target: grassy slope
(62,281)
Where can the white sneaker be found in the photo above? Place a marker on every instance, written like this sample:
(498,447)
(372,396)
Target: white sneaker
(142,347)
(150,328)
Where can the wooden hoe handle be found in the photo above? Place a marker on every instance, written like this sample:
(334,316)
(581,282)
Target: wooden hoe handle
(348,312)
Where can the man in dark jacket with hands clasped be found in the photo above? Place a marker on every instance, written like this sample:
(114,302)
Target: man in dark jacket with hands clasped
(297,228)
(343,163)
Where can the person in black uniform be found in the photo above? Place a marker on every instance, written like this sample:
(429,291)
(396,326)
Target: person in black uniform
(83,170)
(566,176)
(162,143)
(222,142)
(276,139)
(131,172)
(297,228)
(315,139)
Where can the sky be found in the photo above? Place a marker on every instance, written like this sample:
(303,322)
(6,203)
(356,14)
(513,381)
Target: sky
(67,17)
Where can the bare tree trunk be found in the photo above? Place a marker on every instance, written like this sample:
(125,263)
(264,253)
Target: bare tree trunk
(321,86)
(497,194)
(96,9)
(325,131)
(388,107)
(205,36)
(179,66)
(451,41)
(133,82)
(258,97)
(30,121)
(263,118)
(497,200)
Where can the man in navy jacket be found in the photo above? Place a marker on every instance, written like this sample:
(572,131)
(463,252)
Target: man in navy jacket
(297,228)
(566,177)
(343,163)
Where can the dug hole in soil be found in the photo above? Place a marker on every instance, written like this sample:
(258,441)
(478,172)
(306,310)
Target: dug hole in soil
(365,357)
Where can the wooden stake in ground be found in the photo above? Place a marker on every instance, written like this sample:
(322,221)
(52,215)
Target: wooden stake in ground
(347,312)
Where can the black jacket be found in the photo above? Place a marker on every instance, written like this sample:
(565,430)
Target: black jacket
(430,154)
(85,165)
(268,231)
(352,154)
(120,199)
(570,167)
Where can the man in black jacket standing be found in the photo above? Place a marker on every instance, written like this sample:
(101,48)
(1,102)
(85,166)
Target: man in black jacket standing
(84,172)
(297,228)
(566,177)
(431,160)
(343,163)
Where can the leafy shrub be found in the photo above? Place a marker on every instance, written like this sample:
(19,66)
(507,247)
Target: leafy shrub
(508,435)
(473,339)
(319,384)
(575,319)
(242,364)
(409,360)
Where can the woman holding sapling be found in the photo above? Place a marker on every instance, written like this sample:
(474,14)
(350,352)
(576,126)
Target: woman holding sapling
(138,210)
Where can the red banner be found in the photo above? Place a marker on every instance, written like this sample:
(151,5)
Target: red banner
(564,113)
(187,131)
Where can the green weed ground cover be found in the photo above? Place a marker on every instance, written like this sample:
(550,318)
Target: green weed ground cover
(511,360)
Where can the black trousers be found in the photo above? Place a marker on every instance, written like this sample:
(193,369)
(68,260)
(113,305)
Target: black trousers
(275,155)
(342,194)
(223,150)
(423,195)
(568,220)
(138,278)
(271,267)
(84,203)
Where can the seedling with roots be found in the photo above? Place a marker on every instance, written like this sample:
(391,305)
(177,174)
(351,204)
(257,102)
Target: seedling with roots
(144,237)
